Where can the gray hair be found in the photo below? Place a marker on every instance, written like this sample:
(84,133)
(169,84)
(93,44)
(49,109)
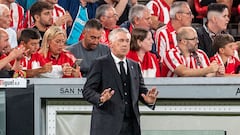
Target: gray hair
(136,11)
(2,8)
(113,34)
(101,10)
(176,7)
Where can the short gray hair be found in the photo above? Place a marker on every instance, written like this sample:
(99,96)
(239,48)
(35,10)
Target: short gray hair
(2,8)
(101,10)
(113,34)
(176,7)
(136,11)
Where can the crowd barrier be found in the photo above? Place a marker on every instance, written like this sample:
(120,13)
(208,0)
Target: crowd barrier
(185,105)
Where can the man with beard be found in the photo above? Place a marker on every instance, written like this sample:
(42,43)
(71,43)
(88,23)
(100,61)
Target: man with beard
(60,16)
(88,49)
(42,16)
(185,60)
(165,38)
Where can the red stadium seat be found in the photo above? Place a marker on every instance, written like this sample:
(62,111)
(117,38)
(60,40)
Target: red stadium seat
(201,11)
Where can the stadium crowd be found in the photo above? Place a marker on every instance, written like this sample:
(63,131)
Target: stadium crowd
(62,38)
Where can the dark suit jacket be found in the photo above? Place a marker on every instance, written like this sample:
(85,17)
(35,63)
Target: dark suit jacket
(107,119)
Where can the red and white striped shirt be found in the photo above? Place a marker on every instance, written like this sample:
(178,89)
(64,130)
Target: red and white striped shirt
(165,40)
(174,58)
(17,15)
(231,65)
(58,11)
(160,9)
(149,65)
(35,61)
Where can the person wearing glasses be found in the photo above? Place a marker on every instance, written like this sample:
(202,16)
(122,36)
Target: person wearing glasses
(186,60)
(217,21)
(165,38)
(52,50)
(108,17)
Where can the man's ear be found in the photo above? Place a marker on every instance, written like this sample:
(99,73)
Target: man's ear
(178,16)
(221,50)
(22,43)
(136,20)
(36,17)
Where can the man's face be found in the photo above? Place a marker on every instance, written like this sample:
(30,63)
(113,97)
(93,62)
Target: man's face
(144,22)
(109,20)
(228,49)
(222,20)
(3,41)
(192,41)
(46,18)
(5,19)
(91,38)
(121,45)
(32,45)
(186,16)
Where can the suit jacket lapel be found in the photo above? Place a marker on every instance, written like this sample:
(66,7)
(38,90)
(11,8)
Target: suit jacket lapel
(116,75)
(133,79)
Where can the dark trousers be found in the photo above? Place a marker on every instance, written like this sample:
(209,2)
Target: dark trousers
(129,126)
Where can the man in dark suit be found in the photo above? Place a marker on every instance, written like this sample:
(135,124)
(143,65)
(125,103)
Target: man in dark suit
(114,85)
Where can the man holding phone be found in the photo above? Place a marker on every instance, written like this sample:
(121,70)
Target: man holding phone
(89,48)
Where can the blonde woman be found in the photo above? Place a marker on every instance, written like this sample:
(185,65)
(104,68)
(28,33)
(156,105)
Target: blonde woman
(52,49)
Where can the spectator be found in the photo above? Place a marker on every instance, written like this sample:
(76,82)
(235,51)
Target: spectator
(217,21)
(140,17)
(223,46)
(165,38)
(42,16)
(60,17)
(33,63)
(228,3)
(5,66)
(81,11)
(122,8)
(140,47)
(16,14)
(89,48)
(160,11)
(5,21)
(108,18)
(185,60)
(52,50)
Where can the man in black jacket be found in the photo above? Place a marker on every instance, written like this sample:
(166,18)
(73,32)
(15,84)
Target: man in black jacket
(217,21)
